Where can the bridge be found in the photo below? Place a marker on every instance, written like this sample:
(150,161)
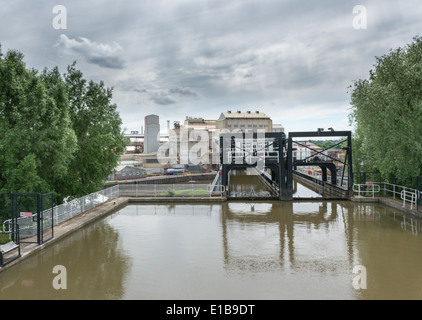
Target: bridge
(272,157)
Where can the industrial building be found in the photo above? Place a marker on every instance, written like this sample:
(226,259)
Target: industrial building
(246,121)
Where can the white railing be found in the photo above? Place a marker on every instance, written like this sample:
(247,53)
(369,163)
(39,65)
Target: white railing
(408,195)
(169,190)
(365,189)
(216,178)
(240,156)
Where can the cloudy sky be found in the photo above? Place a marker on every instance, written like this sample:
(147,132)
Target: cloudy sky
(293,60)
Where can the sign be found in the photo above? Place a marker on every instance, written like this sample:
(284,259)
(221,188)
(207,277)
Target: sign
(26,214)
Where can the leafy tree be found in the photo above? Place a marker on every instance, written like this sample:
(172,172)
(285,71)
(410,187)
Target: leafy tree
(334,144)
(36,141)
(97,126)
(58,133)
(387,113)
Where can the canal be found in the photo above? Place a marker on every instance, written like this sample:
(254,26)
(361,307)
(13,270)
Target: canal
(231,250)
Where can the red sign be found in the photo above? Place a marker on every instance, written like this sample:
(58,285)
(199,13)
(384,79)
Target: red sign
(26,214)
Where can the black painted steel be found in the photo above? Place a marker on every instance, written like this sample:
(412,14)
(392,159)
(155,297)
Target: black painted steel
(276,155)
(419,187)
(40,208)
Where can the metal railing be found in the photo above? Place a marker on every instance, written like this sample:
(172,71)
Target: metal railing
(170,190)
(71,209)
(63,212)
(409,196)
(318,176)
(241,156)
(366,189)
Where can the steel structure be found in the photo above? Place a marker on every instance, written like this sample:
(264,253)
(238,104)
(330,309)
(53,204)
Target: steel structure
(263,151)
(324,165)
(38,207)
(272,151)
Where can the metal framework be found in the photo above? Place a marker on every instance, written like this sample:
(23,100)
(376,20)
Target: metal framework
(419,187)
(275,152)
(258,150)
(324,165)
(38,208)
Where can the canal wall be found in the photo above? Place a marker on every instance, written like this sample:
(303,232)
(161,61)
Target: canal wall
(390,202)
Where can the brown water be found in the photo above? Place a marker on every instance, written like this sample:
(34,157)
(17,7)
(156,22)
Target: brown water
(233,250)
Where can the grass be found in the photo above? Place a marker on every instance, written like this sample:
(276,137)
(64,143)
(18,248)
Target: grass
(4,238)
(171,192)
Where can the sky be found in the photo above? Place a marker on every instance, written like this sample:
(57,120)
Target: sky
(292,60)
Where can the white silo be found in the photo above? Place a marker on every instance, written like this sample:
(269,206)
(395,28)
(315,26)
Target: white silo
(152,133)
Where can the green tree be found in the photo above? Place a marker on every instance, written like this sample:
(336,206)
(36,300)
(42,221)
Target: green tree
(36,140)
(97,124)
(387,113)
(58,134)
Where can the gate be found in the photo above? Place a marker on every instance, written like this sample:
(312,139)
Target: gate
(32,213)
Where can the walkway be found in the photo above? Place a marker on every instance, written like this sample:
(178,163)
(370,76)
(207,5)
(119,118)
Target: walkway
(66,228)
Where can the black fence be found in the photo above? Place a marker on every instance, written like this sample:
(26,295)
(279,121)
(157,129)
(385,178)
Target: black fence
(35,213)
(419,187)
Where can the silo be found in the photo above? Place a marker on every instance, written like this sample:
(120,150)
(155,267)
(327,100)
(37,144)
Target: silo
(152,133)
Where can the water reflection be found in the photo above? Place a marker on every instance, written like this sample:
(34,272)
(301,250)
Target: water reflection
(270,228)
(231,250)
(325,240)
(245,183)
(95,266)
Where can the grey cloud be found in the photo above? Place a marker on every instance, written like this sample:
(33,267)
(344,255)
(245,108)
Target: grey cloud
(161,99)
(201,56)
(183,92)
(171,96)
(103,55)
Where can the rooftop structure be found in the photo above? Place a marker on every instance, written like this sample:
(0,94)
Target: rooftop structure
(245,121)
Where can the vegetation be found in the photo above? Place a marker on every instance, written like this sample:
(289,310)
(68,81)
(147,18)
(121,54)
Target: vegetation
(58,133)
(325,144)
(387,114)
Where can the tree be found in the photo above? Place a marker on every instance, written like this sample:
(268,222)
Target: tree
(58,133)
(387,113)
(36,141)
(97,125)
